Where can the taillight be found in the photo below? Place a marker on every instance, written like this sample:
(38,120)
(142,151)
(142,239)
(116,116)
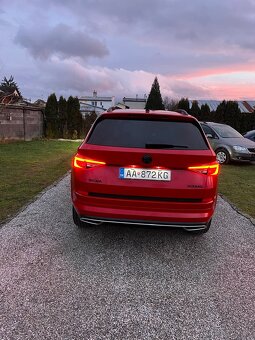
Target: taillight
(211,169)
(85,163)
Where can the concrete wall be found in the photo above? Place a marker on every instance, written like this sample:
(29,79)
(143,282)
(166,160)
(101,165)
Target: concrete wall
(20,122)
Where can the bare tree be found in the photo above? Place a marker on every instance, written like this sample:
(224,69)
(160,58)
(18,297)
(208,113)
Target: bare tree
(170,104)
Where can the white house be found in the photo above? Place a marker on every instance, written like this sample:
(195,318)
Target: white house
(135,103)
(95,103)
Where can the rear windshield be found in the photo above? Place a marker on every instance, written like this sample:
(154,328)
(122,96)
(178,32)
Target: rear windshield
(151,134)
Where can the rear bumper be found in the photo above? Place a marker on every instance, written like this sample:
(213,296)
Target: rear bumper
(97,210)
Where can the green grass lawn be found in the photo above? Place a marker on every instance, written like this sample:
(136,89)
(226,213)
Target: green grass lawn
(237,184)
(26,168)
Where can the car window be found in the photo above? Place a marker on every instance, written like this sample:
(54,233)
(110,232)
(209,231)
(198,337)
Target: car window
(140,133)
(226,131)
(208,130)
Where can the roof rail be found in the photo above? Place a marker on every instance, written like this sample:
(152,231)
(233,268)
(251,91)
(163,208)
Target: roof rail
(183,112)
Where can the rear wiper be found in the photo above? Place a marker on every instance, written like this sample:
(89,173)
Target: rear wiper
(165,146)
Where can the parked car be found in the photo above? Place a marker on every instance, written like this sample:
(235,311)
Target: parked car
(151,168)
(250,135)
(228,144)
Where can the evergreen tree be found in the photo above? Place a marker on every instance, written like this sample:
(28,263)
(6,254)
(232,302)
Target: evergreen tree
(247,122)
(233,114)
(88,121)
(52,117)
(10,84)
(220,112)
(154,101)
(77,117)
(229,113)
(74,117)
(205,112)
(195,110)
(184,104)
(69,116)
(62,112)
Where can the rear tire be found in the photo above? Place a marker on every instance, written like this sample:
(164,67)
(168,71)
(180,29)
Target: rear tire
(222,156)
(77,220)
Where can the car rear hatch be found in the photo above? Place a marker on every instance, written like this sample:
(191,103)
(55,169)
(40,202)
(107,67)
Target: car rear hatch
(184,170)
(106,164)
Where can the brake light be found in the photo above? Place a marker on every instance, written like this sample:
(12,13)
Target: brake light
(212,169)
(85,163)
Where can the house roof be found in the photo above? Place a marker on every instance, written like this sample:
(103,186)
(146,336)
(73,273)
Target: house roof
(251,105)
(244,106)
(96,99)
(40,102)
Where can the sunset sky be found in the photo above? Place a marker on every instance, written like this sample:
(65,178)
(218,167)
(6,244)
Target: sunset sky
(198,49)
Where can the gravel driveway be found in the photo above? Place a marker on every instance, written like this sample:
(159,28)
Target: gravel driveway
(111,282)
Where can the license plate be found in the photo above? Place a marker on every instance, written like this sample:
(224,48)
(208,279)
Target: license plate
(146,174)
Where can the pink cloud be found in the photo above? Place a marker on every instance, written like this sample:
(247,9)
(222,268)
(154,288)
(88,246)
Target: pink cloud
(232,91)
(233,68)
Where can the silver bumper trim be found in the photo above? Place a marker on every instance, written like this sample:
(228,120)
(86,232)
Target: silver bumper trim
(188,227)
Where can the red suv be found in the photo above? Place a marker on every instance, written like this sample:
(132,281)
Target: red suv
(142,167)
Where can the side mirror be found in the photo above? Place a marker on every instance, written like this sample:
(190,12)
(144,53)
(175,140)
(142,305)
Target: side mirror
(209,135)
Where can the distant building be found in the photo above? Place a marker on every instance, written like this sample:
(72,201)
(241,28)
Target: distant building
(95,103)
(135,103)
(40,102)
(121,106)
